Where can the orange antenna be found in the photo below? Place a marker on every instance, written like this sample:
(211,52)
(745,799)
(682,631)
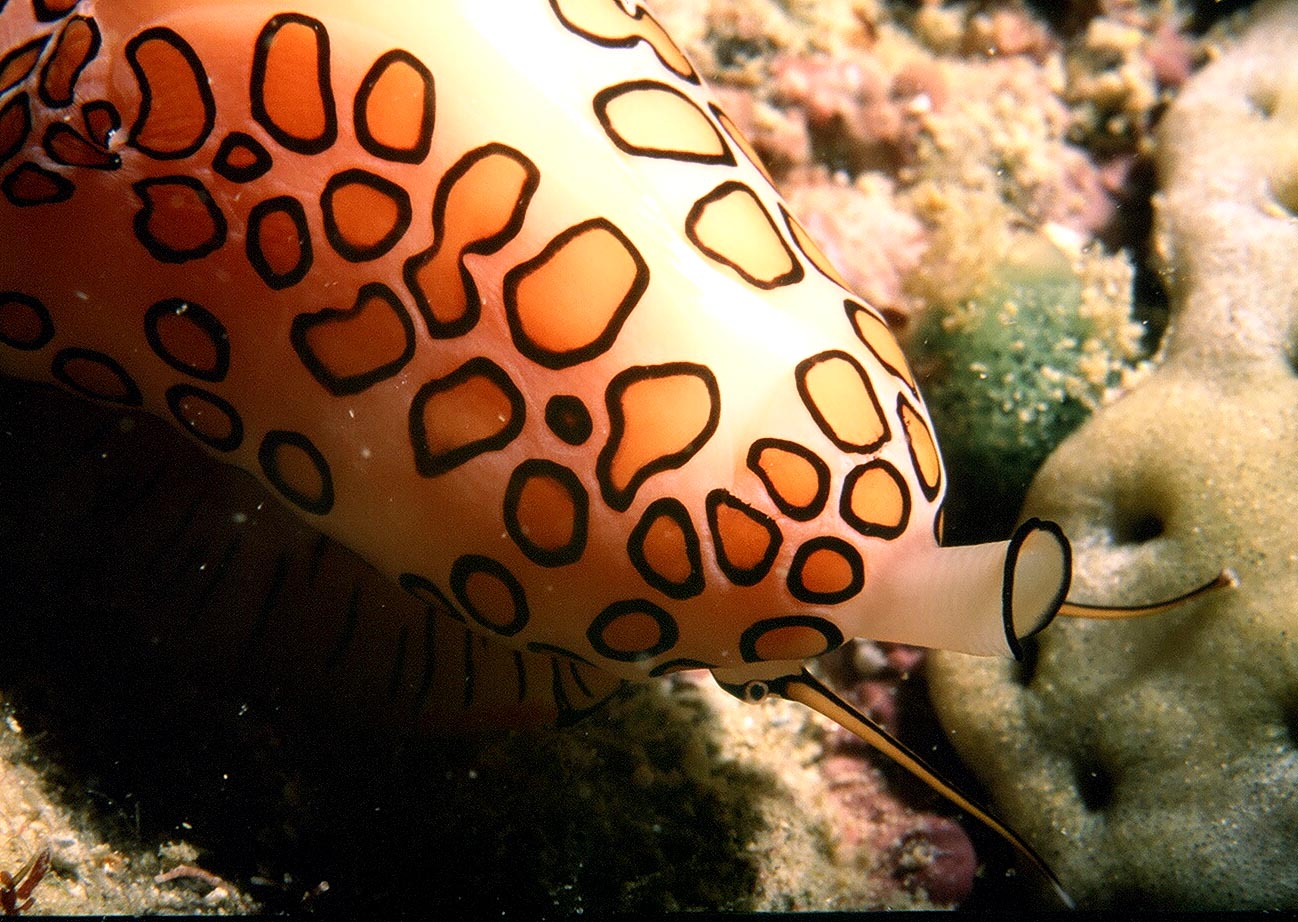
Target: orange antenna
(1223,580)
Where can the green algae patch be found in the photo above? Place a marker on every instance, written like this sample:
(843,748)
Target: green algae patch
(1013,369)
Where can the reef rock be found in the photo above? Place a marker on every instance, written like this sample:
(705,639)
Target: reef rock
(1154,762)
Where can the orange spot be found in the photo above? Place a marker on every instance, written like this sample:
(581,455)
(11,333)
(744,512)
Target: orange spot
(875,501)
(67,147)
(632,632)
(179,220)
(292,96)
(545,512)
(24,322)
(241,158)
(797,480)
(370,336)
(745,540)
(101,121)
(923,448)
(471,412)
(841,399)
(277,244)
(874,332)
(664,548)
(18,323)
(33,185)
(490,599)
(607,23)
(299,473)
(566,305)
(791,642)
(365,215)
(793,477)
(665,551)
(95,375)
(15,124)
(199,415)
(394,108)
(652,119)
(825,572)
(490,594)
(187,343)
(742,537)
(731,225)
(17,65)
(453,419)
(350,350)
(478,208)
(76,45)
(206,416)
(177,109)
(660,416)
(296,468)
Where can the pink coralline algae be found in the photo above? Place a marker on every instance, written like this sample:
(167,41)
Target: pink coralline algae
(939,859)
(1171,55)
(865,231)
(925,852)
(851,112)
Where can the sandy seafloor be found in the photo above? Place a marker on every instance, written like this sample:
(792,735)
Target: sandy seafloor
(911,137)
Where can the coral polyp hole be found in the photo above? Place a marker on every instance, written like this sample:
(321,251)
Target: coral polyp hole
(1291,724)
(1263,100)
(1284,192)
(1291,349)
(1137,527)
(1095,786)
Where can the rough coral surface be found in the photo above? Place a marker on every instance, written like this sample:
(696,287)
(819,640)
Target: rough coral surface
(1154,762)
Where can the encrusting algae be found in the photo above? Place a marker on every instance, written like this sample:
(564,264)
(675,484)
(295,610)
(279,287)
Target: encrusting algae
(1019,364)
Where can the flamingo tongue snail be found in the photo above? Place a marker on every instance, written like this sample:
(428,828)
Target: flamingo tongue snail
(496,295)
